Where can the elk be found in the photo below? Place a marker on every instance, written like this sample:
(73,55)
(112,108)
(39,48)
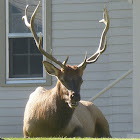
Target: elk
(59,111)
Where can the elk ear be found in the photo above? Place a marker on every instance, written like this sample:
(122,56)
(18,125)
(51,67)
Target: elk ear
(51,69)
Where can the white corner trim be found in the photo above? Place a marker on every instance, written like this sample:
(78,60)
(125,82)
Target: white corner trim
(136,67)
(130,1)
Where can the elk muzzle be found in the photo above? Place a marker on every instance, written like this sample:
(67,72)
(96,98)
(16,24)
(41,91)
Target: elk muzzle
(74,98)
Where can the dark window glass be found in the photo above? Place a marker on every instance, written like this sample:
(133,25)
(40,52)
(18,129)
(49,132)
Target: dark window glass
(25,60)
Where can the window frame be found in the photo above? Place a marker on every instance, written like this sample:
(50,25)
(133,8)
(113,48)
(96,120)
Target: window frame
(4,49)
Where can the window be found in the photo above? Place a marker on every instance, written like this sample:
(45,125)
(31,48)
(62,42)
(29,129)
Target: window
(23,61)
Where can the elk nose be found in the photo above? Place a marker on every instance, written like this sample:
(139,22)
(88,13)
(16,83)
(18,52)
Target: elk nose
(75,97)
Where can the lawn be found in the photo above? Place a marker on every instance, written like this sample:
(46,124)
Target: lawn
(70,139)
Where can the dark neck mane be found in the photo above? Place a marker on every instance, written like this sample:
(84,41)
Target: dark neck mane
(63,112)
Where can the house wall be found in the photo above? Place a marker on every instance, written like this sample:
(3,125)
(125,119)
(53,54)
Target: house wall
(75,30)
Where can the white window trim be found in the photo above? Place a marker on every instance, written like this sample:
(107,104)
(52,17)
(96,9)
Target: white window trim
(46,79)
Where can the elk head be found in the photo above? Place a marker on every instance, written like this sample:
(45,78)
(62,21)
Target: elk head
(70,77)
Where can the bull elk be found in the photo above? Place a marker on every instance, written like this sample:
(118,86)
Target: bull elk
(59,111)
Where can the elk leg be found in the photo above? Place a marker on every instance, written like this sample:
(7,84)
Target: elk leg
(78,132)
(102,131)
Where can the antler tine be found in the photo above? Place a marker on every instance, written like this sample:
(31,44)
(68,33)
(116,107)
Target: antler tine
(38,40)
(103,40)
(102,44)
(65,62)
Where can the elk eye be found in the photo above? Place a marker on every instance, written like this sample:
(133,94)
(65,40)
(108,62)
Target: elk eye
(62,80)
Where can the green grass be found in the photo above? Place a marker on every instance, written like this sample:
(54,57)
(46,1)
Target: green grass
(70,139)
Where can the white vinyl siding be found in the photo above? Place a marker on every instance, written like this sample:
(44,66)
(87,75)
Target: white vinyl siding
(75,30)
(120,61)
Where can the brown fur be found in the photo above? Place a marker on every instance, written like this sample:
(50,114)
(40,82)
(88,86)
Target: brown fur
(48,113)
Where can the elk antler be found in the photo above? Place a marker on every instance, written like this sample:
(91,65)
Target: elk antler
(38,40)
(102,45)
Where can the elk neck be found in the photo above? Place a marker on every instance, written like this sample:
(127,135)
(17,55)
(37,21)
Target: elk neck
(62,96)
(63,111)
